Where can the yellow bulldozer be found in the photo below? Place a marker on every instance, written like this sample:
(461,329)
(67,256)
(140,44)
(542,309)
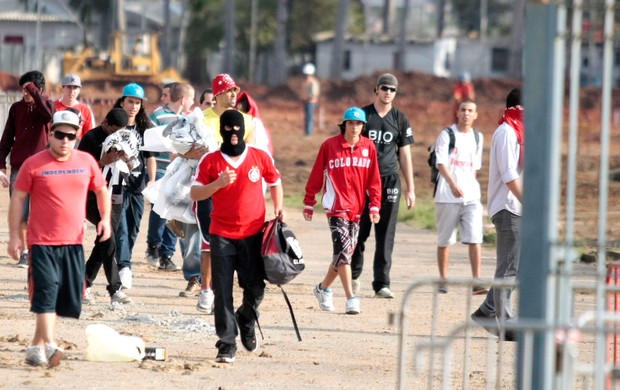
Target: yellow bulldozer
(104,74)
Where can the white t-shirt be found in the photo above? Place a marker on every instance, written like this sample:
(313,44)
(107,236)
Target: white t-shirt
(503,168)
(463,162)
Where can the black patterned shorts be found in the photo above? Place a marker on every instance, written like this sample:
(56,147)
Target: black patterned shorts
(344,238)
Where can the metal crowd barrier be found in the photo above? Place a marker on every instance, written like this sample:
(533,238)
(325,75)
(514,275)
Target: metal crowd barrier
(462,355)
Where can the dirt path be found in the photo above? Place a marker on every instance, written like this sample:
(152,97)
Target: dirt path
(337,351)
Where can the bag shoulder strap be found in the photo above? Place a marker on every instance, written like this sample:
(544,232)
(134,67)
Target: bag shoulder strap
(452,139)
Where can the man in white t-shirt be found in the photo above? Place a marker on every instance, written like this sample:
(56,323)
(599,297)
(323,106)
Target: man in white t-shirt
(457,197)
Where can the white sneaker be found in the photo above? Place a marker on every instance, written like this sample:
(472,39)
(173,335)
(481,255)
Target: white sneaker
(89,297)
(35,355)
(205,301)
(126,276)
(356,284)
(384,293)
(325,297)
(53,354)
(353,305)
(120,297)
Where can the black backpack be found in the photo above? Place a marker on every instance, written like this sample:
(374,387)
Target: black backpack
(432,157)
(282,259)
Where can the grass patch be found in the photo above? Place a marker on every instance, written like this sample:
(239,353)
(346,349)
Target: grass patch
(421,216)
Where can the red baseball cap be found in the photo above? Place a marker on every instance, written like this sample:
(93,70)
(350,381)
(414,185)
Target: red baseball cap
(222,83)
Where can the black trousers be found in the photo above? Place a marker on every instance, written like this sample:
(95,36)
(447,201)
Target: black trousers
(243,256)
(385,232)
(103,251)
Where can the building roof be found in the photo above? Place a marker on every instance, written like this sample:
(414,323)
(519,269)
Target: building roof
(16,16)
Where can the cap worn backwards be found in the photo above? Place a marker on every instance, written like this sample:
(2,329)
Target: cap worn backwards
(387,79)
(65,118)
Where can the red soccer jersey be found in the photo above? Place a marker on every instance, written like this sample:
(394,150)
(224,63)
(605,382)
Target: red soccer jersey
(58,196)
(239,208)
(346,174)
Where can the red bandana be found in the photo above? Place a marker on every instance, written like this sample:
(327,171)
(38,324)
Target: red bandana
(514,117)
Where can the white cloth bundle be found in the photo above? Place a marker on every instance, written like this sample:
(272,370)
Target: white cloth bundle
(127,142)
(170,194)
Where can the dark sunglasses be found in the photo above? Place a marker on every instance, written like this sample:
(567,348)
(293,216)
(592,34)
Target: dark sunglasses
(385,88)
(60,135)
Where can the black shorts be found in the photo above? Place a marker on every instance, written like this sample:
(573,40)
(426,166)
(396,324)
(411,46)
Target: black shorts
(56,279)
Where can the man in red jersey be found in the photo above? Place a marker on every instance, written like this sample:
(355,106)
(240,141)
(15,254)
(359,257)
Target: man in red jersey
(57,179)
(232,177)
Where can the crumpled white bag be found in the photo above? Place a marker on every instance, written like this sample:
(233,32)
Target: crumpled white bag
(107,345)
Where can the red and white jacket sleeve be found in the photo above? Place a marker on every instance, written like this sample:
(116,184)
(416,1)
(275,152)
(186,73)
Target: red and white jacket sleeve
(315,180)
(374,183)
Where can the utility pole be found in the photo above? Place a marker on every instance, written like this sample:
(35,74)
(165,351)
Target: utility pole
(402,40)
(335,71)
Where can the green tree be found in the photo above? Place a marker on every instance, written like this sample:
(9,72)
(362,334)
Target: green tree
(204,32)
(306,18)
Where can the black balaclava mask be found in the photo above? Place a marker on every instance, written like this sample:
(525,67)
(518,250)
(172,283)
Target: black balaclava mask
(232,118)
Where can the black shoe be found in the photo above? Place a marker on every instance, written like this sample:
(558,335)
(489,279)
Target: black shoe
(166,264)
(247,334)
(510,335)
(152,254)
(489,323)
(225,352)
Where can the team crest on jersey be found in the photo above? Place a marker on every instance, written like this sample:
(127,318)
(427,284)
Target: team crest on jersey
(365,152)
(254,174)
(409,132)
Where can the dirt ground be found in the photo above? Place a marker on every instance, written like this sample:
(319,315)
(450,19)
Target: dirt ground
(336,351)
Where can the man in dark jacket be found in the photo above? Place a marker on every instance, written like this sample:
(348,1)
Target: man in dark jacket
(26,132)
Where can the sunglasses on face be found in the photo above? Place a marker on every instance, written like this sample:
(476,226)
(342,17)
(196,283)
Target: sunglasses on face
(60,135)
(385,88)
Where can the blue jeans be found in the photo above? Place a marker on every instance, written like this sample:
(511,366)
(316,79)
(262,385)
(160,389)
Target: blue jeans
(309,117)
(159,235)
(26,209)
(191,252)
(128,228)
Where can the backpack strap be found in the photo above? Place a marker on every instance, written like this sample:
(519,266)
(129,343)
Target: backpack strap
(451,144)
(452,139)
(290,309)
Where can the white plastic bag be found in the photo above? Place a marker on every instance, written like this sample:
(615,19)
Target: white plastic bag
(107,345)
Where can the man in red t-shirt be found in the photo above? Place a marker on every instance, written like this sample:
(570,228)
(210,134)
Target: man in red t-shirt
(57,180)
(232,177)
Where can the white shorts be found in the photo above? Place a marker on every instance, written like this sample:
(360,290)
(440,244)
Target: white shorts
(450,216)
